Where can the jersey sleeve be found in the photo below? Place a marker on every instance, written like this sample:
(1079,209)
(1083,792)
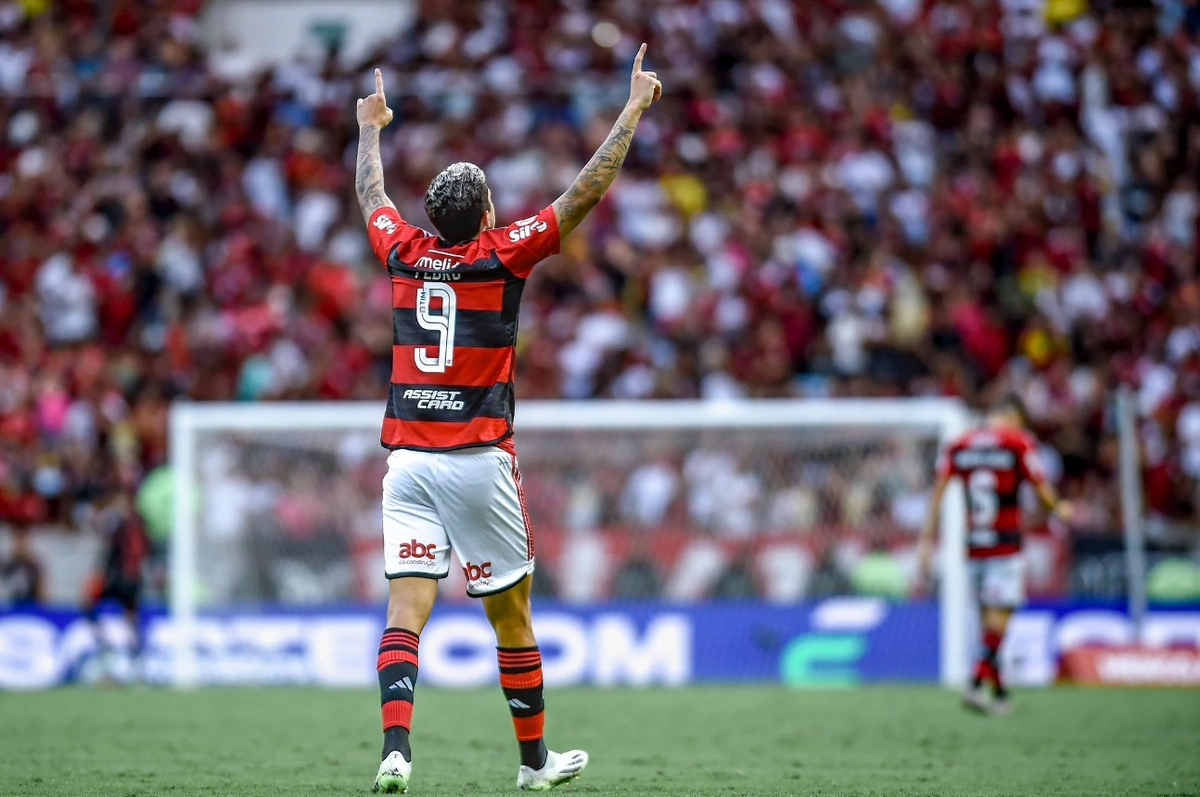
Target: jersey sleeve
(525,243)
(945,462)
(387,230)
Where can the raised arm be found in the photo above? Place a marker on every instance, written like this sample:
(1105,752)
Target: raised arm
(373,116)
(590,186)
(926,543)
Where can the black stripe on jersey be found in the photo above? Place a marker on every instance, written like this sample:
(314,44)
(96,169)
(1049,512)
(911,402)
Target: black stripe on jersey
(448,403)
(1008,499)
(487,269)
(476,329)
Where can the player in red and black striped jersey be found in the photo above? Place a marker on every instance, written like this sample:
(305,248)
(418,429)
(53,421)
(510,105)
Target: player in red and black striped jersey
(119,578)
(993,462)
(452,481)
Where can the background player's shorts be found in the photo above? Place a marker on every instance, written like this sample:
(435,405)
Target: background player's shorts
(999,581)
(122,591)
(468,501)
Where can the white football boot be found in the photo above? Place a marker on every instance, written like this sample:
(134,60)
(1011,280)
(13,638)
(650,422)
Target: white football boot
(559,768)
(975,700)
(393,775)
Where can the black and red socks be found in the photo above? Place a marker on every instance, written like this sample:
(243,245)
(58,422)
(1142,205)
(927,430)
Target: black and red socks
(521,680)
(397,666)
(988,668)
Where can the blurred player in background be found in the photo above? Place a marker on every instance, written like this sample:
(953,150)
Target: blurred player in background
(21,582)
(993,463)
(120,574)
(452,480)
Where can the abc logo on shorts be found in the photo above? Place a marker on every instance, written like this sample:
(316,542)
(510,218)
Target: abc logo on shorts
(417,550)
(475,572)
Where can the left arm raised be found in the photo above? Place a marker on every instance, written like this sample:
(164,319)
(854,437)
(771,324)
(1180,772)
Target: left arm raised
(373,116)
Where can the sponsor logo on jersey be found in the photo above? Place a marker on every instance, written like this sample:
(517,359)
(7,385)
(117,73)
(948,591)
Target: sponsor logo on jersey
(437,263)
(475,572)
(386,225)
(435,399)
(526,228)
(993,459)
(417,550)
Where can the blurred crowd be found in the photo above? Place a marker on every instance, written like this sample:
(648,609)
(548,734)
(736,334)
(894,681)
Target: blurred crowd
(833,198)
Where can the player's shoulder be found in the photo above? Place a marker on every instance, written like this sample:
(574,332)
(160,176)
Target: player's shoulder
(975,438)
(1018,439)
(519,231)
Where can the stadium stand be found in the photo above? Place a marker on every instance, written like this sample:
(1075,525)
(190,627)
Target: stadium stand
(859,199)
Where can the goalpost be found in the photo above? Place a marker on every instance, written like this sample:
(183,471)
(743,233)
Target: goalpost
(277,504)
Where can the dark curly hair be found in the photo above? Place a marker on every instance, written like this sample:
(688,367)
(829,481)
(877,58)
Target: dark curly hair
(456,201)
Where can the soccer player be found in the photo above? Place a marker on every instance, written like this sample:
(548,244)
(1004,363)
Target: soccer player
(119,578)
(992,462)
(452,480)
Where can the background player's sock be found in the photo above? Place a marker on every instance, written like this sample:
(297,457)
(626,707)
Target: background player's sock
(991,661)
(397,666)
(521,680)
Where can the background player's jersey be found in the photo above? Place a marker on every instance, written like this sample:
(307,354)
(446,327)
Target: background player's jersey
(454,326)
(993,465)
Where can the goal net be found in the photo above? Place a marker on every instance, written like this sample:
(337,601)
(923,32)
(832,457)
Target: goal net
(774,517)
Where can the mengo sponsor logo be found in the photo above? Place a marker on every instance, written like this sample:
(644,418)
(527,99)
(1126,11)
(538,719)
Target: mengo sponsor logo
(526,228)
(1132,666)
(435,399)
(475,572)
(417,550)
(386,225)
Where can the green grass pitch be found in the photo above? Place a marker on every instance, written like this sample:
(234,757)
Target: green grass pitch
(698,741)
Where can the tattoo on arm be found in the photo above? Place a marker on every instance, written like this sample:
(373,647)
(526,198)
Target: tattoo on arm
(368,174)
(593,182)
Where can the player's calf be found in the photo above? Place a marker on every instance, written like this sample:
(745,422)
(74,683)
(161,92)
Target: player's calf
(397,668)
(521,680)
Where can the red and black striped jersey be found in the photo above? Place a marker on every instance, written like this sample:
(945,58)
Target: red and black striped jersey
(993,464)
(454,326)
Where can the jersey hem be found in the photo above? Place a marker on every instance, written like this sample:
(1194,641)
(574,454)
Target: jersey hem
(439,449)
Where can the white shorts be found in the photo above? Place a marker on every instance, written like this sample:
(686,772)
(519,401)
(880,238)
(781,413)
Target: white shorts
(999,581)
(469,501)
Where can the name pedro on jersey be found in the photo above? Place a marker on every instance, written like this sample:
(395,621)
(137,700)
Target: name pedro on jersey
(435,399)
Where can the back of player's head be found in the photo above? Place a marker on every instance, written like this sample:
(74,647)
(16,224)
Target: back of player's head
(457,201)
(1010,408)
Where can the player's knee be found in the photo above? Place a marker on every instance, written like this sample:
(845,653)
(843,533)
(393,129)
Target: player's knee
(512,615)
(512,621)
(401,616)
(410,601)
(996,619)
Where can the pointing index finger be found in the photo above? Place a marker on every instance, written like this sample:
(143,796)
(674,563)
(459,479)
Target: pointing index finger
(637,59)
(379,83)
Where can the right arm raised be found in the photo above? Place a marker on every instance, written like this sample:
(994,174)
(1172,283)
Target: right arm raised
(592,183)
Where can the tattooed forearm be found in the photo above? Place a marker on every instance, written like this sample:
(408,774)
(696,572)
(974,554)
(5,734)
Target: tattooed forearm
(368,174)
(590,186)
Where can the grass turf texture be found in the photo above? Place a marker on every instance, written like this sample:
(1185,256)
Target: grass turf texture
(699,741)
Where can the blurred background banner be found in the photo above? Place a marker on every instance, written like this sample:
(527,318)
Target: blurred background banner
(837,642)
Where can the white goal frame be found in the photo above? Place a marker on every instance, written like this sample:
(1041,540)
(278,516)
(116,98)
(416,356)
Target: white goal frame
(947,418)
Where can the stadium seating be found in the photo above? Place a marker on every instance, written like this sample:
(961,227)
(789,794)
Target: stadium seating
(1011,204)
